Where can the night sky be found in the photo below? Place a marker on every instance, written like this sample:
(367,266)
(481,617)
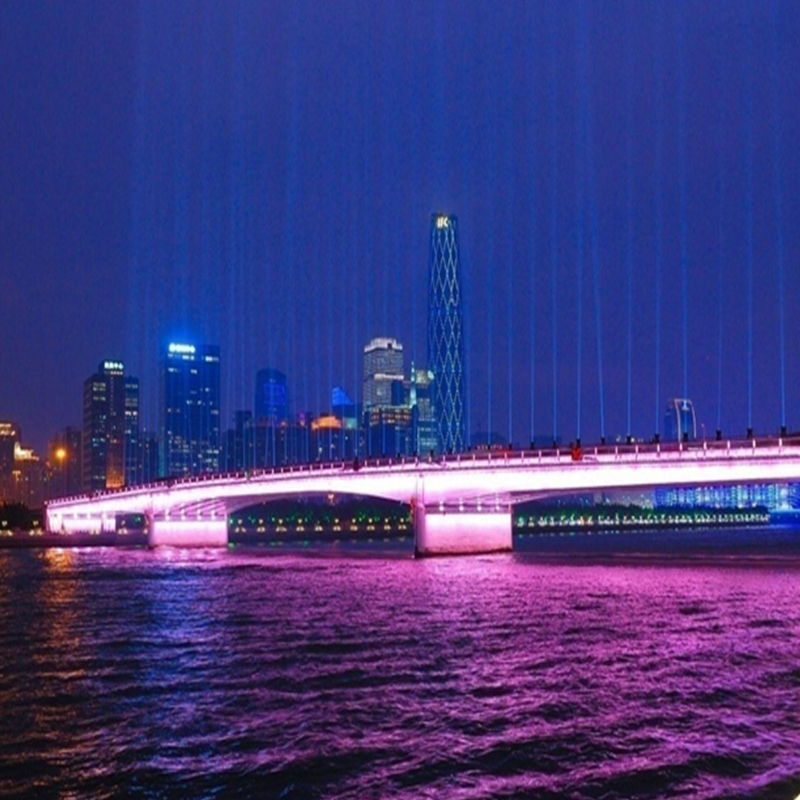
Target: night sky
(262,175)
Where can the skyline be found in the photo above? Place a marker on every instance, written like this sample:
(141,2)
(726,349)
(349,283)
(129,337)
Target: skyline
(262,177)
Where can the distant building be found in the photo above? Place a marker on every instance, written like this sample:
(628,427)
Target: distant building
(388,418)
(9,436)
(239,448)
(65,456)
(383,372)
(287,443)
(446,333)
(29,480)
(272,397)
(389,430)
(338,435)
(131,449)
(334,438)
(420,400)
(772,496)
(104,424)
(680,423)
(189,396)
(341,400)
(148,458)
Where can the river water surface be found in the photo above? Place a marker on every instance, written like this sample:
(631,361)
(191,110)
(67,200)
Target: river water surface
(249,673)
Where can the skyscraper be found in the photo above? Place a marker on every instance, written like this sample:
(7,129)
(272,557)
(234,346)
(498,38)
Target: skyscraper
(104,420)
(445,333)
(189,435)
(131,449)
(383,369)
(387,415)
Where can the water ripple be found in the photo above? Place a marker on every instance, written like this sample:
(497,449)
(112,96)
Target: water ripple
(239,674)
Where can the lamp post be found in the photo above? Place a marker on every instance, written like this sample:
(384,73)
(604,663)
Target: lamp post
(61,454)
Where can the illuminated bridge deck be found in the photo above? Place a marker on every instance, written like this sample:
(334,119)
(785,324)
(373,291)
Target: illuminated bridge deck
(476,481)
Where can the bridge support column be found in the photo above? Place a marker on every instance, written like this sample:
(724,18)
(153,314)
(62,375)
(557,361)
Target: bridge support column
(439,532)
(188,532)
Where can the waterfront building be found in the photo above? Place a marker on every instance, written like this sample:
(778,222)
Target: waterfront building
(680,423)
(383,372)
(445,333)
(9,436)
(104,423)
(772,496)
(189,396)
(28,481)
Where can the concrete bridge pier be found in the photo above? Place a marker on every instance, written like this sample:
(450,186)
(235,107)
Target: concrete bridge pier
(444,531)
(187,532)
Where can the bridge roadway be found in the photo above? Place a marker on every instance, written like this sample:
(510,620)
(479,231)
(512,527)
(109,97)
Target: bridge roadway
(460,503)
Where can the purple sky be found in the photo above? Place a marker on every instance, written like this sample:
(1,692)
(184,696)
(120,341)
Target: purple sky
(261,176)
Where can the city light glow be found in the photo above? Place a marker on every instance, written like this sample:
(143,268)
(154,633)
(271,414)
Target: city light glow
(182,349)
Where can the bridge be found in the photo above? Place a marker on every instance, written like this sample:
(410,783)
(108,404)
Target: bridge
(460,503)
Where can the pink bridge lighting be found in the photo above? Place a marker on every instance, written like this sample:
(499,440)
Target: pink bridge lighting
(474,483)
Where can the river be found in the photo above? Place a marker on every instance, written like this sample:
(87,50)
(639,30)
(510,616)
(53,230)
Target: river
(354,672)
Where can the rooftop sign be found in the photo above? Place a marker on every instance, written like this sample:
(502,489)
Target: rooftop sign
(181,348)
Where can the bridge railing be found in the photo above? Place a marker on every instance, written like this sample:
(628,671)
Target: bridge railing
(733,448)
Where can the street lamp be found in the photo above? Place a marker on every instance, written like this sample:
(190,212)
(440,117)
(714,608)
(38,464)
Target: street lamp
(61,454)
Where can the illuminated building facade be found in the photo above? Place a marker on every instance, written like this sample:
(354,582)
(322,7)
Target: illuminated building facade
(9,436)
(389,430)
(189,395)
(446,333)
(29,481)
(383,372)
(103,440)
(425,435)
(334,438)
(772,496)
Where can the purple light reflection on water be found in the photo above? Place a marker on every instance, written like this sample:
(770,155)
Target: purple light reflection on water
(192,674)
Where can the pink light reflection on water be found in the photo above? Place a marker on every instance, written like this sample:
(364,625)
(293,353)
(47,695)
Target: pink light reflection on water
(353,677)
